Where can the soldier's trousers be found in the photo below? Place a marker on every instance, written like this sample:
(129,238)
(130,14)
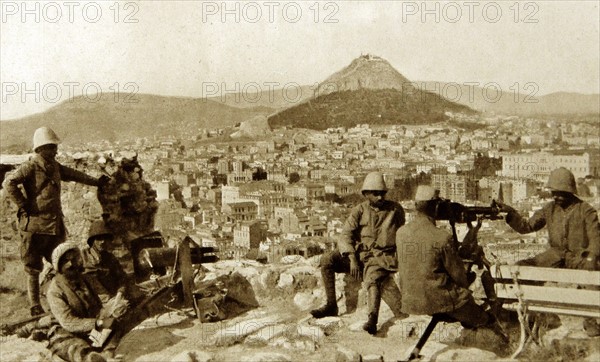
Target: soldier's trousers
(334,262)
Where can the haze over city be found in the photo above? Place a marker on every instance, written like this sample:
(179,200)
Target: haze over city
(52,51)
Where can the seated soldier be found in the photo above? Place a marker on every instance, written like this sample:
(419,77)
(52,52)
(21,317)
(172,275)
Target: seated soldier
(102,269)
(77,309)
(573,231)
(367,241)
(432,274)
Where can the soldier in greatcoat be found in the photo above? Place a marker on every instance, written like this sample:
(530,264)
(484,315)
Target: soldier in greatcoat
(432,274)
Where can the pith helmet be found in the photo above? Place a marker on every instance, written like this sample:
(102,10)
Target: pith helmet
(44,136)
(59,251)
(426,193)
(98,228)
(374,182)
(562,179)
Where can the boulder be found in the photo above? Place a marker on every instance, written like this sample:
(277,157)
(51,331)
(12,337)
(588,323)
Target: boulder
(285,280)
(344,354)
(193,356)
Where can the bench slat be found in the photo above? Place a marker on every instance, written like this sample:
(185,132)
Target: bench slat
(556,310)
(583,277)
(574,297)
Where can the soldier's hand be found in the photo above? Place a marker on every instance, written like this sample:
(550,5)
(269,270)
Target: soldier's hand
(105,323)
(502,206)
(355,269)
(103,180)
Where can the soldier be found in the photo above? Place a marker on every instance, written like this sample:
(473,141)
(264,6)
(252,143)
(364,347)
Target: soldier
(432,275)
(367,241)
(40,214)
(104,271)
(75,306)
(573,230)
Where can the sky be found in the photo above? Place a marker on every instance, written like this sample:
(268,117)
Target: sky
(52,50)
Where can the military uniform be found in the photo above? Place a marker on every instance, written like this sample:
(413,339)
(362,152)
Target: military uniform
(573,233)
(371,232)
(41,223)
(367,238)
(104,272)
(432,275)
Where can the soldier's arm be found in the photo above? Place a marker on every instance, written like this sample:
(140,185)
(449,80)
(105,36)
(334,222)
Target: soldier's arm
(70,174)
(12,182)
(400,216)
(454,264)
(523,225)
(64,314)
(351,225)
(592,228)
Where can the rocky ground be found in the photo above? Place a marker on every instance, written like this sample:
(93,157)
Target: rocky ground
(279,328)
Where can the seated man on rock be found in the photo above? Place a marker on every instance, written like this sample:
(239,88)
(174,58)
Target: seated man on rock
(366,248)
(102,269)
(78,310)
(432,274)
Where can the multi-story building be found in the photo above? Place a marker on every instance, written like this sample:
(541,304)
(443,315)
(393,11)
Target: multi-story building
(241,211)
(538,165)
(459,188)
(306,191)
(248,235)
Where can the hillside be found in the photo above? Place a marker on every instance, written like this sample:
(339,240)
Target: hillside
(365,72)
(79,120)
(383,106)
(369,90)
(509,103)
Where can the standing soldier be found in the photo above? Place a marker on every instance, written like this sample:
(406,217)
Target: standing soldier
(40,214)
(573,231)
(368,241)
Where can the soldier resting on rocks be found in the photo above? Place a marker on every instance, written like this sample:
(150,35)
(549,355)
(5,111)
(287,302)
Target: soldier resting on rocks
(367,241)
(78,310)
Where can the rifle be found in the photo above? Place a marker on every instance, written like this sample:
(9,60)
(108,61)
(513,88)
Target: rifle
(7,329)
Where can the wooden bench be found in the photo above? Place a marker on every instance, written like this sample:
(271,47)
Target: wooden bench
(521,288)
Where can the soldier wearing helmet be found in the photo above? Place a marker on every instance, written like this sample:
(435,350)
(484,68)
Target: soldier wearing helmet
(367,250)
(102,269)
(573,230)
(40,215)
(432,274)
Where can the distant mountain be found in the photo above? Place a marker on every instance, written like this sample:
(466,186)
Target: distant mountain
(509,103)
(279,98)
(369,90)
(79,120)
(365,72)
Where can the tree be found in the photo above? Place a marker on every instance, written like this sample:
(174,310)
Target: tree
(293,177)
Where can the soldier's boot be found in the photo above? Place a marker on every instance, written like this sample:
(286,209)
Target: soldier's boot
(392,297)
(374,301)
(33,294)
(330,308)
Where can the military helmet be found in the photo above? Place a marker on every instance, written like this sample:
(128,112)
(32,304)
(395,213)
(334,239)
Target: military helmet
(562,179)
(44,136)
(59,251)
(97,229)
(374,182)
(426,193)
